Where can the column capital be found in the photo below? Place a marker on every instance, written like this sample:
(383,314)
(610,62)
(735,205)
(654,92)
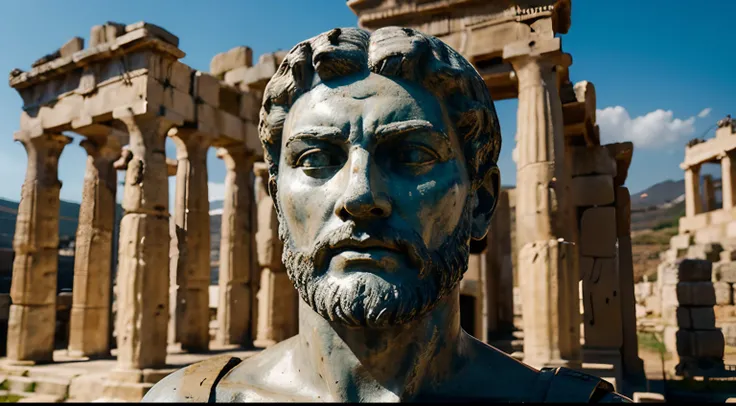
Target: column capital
(547,50)
(107,148)
(189,140)
(236,155)
(49,139)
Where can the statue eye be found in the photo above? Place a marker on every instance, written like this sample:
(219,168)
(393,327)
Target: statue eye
(316,158)
(415,155)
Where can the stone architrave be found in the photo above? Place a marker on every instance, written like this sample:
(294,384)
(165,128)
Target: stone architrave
(550,310)
(693,204)
(90,314)
(190,262)
(277,297)
(32,318)
(237,249)
(142,278)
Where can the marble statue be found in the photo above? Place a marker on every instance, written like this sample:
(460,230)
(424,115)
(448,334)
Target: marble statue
(381,149)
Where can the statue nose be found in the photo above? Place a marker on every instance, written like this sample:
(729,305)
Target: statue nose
(364,196)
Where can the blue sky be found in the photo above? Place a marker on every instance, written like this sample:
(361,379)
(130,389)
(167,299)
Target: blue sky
(663,69)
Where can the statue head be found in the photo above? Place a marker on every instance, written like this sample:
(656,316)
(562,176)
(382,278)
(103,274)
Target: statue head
(381,149)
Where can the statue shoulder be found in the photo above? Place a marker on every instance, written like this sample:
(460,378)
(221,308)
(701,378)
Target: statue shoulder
(194,383)
(567,385)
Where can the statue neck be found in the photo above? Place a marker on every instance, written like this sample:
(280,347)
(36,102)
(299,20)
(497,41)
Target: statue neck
(389,364)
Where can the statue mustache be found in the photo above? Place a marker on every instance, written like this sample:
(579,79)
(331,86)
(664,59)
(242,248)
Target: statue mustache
(348,235)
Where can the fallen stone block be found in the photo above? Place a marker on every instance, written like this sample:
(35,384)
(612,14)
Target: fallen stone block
(696,294)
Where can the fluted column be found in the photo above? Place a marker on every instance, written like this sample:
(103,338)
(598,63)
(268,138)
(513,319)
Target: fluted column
(32,319)
(90,315)
(277,298)
(143,278)
(191,260)
(237,249)
(548,286)
(693,203)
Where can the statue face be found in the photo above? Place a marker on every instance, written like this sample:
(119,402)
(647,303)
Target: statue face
(373,195)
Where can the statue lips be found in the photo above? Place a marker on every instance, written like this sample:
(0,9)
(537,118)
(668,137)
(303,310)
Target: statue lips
(370,252)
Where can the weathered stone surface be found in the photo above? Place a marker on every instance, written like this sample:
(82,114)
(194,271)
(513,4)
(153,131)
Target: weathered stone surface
(142,280)
(592,190)
(622,152)
(154,30)
(681,241)
(592,160)
(70,47)
(602,302)
(221,63)
(192,219)
(237,250)
(697,318)
(700,343)
(598,232)
(725,272)
(696,294)
(724,293)
(32,315)
(90,321)
(709,252)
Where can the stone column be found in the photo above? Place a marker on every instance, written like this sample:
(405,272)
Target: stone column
(237,250)
(277,298)
(143,279)
(550,303)
(90,315)
(709,193)
(633,366)
(728,180)
(499,272)
(192,234)
(692,191)
(32,319)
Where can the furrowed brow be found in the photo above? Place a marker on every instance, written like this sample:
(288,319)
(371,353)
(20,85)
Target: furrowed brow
(402,127)
(318,132)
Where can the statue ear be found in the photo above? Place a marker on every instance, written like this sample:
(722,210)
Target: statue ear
(272,192)
(484,203)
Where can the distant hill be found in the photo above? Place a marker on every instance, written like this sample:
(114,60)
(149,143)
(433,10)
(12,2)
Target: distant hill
(68,219)
(657,194)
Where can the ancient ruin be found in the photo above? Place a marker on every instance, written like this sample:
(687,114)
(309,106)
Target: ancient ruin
(126,92)
(518,52)
(693,297)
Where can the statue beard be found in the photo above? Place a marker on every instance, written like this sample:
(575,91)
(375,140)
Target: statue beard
(365,299)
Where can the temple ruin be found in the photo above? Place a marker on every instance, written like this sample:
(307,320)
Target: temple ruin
(126,92)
